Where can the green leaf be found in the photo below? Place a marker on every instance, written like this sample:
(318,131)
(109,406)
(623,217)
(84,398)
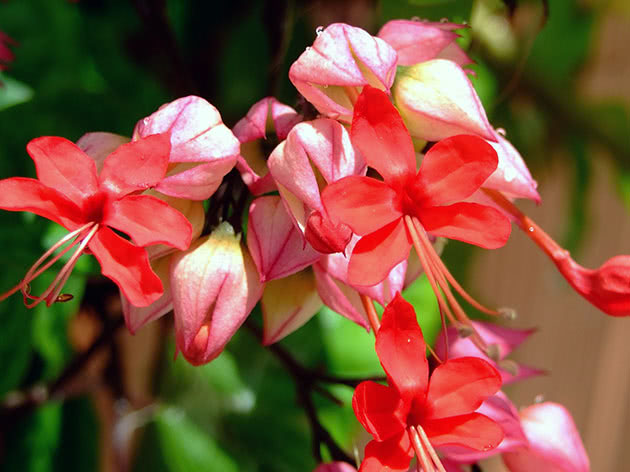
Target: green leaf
(185,447)
(80,429)
(434,10)
(13,92)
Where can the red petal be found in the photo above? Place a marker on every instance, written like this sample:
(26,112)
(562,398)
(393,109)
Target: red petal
(454,169)
(363,203)
(137,165)
(379,409)
(325,236)
(474,431)
(393,455)
(376,254)
(469,222)
(381,136)
(149,220)
(22,194)
(460,386)
(63,166)
(128,266)
(401,349)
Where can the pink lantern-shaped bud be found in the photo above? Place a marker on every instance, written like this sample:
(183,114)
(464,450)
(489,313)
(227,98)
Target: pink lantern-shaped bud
(331,73)
(214,287)
(264,116)
(203,149)
(420,41)
(437,101)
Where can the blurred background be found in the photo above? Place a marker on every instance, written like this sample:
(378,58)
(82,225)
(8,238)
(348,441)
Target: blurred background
(77,392)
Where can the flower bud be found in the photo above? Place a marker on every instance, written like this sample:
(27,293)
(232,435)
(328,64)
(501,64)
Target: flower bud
(436,100)
(214,286)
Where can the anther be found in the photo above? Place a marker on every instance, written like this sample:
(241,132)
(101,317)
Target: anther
(464,331)
(508,313)
(492,351)
(509,366)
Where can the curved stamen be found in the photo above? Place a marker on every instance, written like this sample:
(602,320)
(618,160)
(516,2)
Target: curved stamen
(368,305)
(420,451)
(429,447)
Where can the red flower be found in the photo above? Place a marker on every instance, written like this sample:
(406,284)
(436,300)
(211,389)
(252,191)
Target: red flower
(69,191)
(416,413)
(397,212)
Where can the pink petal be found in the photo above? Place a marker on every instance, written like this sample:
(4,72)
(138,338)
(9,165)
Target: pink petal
(340,297)
(381,136)
(128,266)
(459,386)
(377,253)
(275,244)
(63,166)
(137,317)
(196,182)
(335,467)
(500,409)
(268,110)
(554,442)
(134,166)
(436,100)
(393,455)
(402,351)
(363,203)
(197,135)
(149,220)
(342,56)
(512,176)
(287,304)
(416,41)
(469,222)
(453,169)
(473,431)
(379,409)
(23,194)
(323,145)
(99,145)
(215,286)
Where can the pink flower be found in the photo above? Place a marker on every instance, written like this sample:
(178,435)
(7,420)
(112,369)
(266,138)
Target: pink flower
(203,149)
(214,286)
(70,192)
(554,442)
(343,59)
(420,41)
(315,153)
(263,115)
(6,56)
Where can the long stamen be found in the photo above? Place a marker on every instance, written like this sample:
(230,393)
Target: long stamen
(371,312)
(352,93)
(420,451)
(429,447)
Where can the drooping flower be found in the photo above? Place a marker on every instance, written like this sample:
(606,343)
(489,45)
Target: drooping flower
(554,444)
(91,205)
(203,149)
(264,116)
(331,72)
(420,41)
(401,210)
(607,288)
(315,153)
(415,413)
(214,286)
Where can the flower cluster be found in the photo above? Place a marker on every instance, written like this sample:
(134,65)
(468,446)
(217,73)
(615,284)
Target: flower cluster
(347,209)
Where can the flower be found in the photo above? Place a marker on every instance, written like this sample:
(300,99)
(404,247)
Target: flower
(343,59)
(400,211)
(335,467)
(416,412)
(70,192)
(554,442)
(6,56)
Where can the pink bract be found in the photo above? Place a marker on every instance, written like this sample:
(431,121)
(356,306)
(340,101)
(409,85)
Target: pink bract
(203,149)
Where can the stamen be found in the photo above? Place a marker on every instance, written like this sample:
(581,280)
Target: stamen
(508,313)
(368,305)
(429,447)
(492,351)
(418,447)
(509,366)
(352,93)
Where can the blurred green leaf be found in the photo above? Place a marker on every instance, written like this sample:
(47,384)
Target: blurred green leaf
(186,448)
(13,92)
(578,210)
(434,10)
(32,445)
(79,437)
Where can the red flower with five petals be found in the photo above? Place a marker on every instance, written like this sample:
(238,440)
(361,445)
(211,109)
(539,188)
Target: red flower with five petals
(70,192)
(414,413)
